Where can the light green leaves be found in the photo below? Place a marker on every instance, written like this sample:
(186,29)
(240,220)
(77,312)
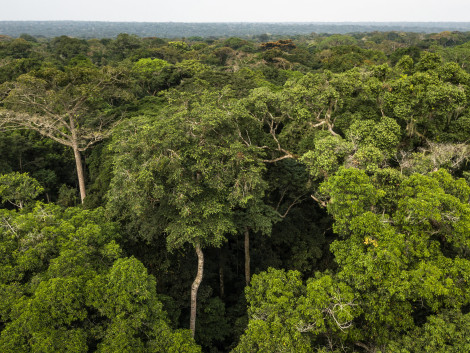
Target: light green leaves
(17,188)
(66,287)
(290,316)
(398,254)
(327,156)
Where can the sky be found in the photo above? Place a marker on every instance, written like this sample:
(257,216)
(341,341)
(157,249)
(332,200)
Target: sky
(237,10)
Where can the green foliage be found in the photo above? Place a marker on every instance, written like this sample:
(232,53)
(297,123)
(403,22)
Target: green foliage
(272,299)
(147,72)
(426,102)
(179,45)
(235,43)
(68,288)
(67,196)
(290,316)
(66,48)
(172,160)
(351,194)
(446,332)
(124,45)
(212,325)
(405,64)
(328,155)
(412,255)
(383,135)
(147,65)
(192,67)
(429,61)
(17,188)
(222,136)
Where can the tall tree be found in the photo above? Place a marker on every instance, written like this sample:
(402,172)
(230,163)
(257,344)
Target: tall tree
(72,107)
(402,260)
(188,169)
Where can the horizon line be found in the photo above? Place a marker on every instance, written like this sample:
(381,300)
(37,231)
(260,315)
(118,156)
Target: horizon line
(242,22)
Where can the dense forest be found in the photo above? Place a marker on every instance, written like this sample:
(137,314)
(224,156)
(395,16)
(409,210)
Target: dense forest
(304,193)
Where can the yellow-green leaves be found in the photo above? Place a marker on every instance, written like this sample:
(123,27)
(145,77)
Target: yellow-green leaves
(68,289)
(400,253)
(17,188)
(290,316)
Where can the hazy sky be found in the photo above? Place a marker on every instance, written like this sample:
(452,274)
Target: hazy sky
(236,10)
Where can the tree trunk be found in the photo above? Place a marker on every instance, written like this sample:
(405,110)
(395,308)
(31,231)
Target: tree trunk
(247,257)
(80,174)
(78,160)
(195,287)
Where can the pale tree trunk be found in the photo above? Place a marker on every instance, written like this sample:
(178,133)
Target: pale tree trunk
(247,256)
(78,160)
(80,174)
(195,287)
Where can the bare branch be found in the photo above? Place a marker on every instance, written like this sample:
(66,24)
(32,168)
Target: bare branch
(295,202)
(305,327)
(338,304)
(278,159)
(10,120)
(321,202)
(9,226)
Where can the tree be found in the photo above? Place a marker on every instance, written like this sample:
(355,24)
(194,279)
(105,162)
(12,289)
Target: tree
(72,107)
(147,71)
(67,287)
(429,101)
(406,258)
(445,332)
(402,260)
(65,48)
(288,315)
(17,188)
(255,217)
(187,169)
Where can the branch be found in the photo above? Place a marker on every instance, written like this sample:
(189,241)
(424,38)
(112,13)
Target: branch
(9,226)
(362,345)
(295,202)
(319,124)
(247,143)
(278,159)
(47,126)
(272,131)
(280,200)
(305,327)
(10,119)
(331,311)
(321,202)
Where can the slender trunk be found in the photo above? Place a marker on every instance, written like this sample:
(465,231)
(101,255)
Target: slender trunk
(195,287)
(80,174)
(78,161)
(247,257)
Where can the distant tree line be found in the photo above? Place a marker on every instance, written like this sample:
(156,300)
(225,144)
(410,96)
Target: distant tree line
(96,29)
